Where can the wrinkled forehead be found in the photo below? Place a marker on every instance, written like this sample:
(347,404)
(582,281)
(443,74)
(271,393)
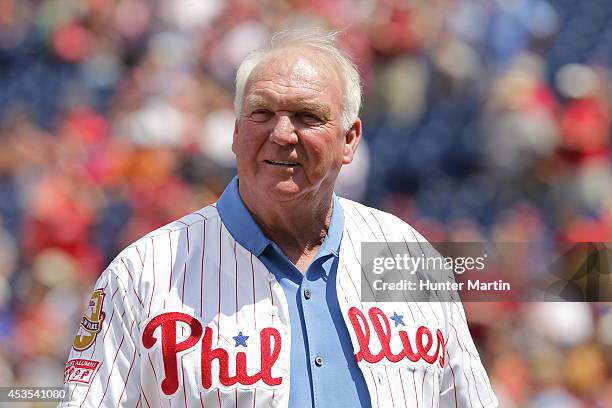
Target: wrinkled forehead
(297,67)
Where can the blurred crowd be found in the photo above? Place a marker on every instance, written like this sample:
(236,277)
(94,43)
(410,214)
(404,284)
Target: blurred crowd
(483,120)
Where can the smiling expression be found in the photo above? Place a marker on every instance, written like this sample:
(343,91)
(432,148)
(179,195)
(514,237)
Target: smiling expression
(289,140)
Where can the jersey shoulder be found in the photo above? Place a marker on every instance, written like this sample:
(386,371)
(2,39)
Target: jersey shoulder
(380,223)
(131,263)
(367,224)
(206,214)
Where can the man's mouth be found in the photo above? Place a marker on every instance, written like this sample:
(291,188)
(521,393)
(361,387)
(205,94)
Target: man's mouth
(282,163)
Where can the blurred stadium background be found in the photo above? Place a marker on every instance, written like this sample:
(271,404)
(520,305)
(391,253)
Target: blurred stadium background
(484,120)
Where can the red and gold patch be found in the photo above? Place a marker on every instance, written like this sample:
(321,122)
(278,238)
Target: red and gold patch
(91,323)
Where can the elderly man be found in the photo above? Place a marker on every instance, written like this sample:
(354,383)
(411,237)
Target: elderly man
(254,301)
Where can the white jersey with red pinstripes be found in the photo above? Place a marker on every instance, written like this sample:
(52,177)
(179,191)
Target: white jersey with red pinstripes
(186,316)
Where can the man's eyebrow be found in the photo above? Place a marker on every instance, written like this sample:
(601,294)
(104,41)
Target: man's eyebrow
(316,107)
(255,102)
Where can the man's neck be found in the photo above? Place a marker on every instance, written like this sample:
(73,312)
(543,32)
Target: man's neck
(297,227)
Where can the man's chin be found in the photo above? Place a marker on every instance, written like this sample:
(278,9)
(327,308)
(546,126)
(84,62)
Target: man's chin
(286,191)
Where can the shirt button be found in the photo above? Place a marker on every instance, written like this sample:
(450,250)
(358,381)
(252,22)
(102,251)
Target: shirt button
(274,403)
(306,294)
(273,311)
(318,361)
(271,278)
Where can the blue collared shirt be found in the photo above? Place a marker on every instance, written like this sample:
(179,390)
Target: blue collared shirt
(324,372)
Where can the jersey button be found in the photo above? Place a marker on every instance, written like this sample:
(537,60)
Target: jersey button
(271,278)
(318,361)
(307,294)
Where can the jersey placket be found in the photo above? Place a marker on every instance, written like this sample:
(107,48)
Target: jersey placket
(313,309)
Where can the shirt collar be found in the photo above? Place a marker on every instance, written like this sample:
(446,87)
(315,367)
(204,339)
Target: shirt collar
(240,223)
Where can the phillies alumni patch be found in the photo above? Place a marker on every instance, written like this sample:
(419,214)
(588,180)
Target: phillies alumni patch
(91,322)
(80,370)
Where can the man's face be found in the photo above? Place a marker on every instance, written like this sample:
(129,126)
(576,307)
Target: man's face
(289,141)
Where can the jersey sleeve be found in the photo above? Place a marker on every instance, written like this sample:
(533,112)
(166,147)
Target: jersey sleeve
(464,381)
(103,365)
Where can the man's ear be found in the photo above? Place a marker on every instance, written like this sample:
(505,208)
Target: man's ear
(351,141)
(234,136)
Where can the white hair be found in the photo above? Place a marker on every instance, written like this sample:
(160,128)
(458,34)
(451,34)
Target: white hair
(320,40)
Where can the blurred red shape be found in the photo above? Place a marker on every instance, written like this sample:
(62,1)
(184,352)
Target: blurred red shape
(71,42)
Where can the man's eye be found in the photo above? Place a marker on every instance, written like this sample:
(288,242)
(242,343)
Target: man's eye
(261,115)
(309,118)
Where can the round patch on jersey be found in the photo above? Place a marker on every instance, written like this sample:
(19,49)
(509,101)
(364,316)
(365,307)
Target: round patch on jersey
(91,323)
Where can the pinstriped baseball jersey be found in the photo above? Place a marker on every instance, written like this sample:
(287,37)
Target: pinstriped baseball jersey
(169,319)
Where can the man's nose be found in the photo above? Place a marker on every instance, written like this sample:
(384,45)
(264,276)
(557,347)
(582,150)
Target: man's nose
(283,132)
